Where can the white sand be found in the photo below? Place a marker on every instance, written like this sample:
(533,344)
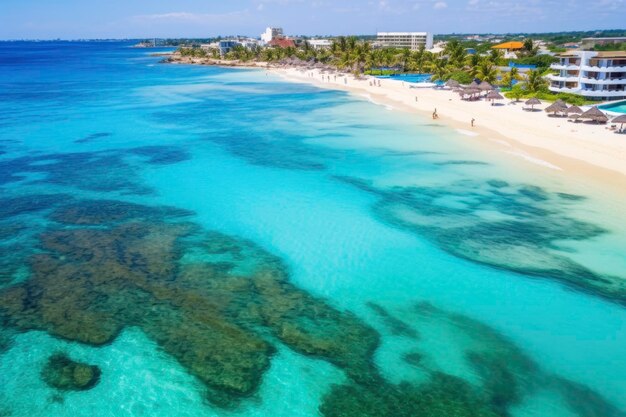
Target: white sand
(582,148)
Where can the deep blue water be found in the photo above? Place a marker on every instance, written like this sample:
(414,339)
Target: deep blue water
(221,242)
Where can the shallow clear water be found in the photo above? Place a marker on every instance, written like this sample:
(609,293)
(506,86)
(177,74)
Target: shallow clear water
(408,252)
(409,78)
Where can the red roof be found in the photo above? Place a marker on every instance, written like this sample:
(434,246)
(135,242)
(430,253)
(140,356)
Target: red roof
(282,43)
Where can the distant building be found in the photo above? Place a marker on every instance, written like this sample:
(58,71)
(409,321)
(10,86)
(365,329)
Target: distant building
(226,45)
(588,43)
(595,75)
(509,48)
(571,45)
(282,43)
(270,34)
(410,40)
(320,43)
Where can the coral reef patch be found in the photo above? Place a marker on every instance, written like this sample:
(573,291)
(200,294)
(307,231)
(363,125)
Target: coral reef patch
(527,234)
(64,374)
(504,377)
(395,325)
(220,305)
(130,265)
(102,171)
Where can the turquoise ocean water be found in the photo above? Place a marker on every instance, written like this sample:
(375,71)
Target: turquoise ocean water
(222,242)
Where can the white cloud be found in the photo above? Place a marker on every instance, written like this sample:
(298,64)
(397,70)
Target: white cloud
(473,2)
(190,17)
(440,5)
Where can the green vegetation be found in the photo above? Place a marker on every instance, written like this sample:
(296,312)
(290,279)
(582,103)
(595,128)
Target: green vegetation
(541,61)
(524,91)
(611,47)
(357,56)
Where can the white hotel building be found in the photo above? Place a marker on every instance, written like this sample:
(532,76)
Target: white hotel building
(270,34)
(411,40)
(592,74)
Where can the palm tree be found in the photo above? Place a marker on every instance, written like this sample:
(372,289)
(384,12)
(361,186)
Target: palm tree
(351,43)
(403,57)
(359,56)
(535,82)
(529,48)
(440,69)
(512,75)
(420,57)
(487,71)
(495,56)
(472,63)
(456,53)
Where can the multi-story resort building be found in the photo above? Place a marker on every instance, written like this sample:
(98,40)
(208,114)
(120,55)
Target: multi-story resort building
(270,34)
(592,74)
(410,40)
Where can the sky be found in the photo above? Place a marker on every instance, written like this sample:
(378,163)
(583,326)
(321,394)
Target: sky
(73,19)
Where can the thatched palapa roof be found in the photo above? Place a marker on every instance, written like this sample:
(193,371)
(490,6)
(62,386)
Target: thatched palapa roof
(533,102)
(573,110)
(494,95)
(594,114)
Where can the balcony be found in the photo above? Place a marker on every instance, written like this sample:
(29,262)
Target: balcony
(570,78)
(564,67)
(606,81)
(604,69)
(589,93)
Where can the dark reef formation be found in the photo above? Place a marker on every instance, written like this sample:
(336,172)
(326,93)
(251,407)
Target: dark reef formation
(64,374)
(219,305)
(505,377)
(122,265)
(102,171)
(394,324)
(529,237)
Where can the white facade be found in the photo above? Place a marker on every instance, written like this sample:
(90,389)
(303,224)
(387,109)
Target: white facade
(411,40)
(592,74)
(319,43)
(271,34)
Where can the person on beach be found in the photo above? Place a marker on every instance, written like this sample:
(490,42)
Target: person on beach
(435,115)
(416,99)
(473,120)
(379,83)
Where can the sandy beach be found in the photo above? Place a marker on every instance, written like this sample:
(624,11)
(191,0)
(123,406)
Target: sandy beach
(585,150)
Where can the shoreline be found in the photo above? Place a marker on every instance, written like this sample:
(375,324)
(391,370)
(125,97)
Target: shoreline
(590,152)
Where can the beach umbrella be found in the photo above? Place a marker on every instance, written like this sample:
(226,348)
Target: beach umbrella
(474,84)
(595,114)
(573,110)
(533,102)
(493,95)
(452,83)
(556,107)
(485,86)
(621,120)
(469,91)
